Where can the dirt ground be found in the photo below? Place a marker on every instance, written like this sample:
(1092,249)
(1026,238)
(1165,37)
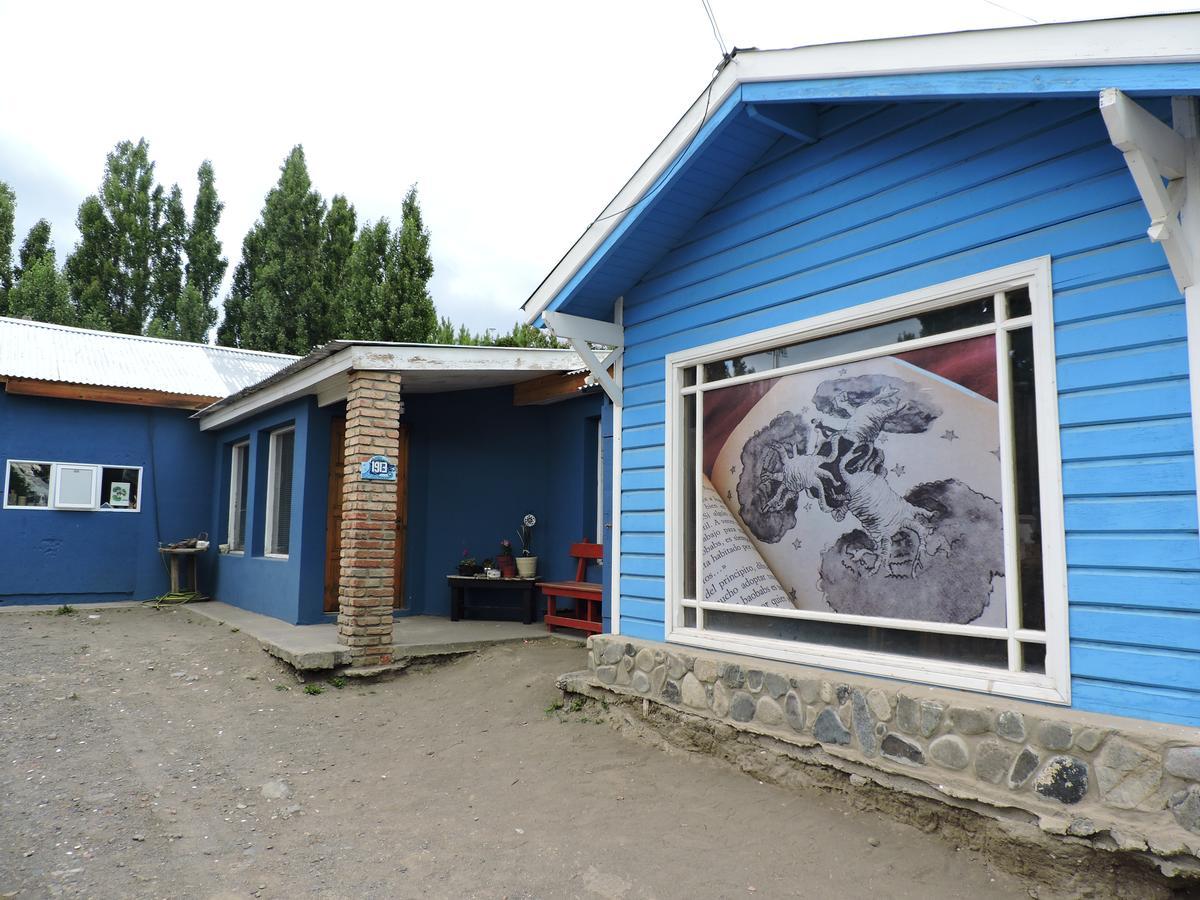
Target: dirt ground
(153,753)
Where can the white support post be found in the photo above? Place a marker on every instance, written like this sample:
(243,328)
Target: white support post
(1165,165)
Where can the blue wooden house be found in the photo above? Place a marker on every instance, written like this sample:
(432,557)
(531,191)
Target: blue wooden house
(896,349)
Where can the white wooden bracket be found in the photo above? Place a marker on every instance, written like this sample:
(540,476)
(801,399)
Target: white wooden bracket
(1158,158)
(582,334)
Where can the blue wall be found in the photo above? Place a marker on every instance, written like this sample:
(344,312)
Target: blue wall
(898,197)
(291,589)
(57,556)
(477,464)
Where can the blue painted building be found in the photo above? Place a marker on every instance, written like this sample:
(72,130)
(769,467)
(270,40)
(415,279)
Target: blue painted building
(854,279)
(84,411)
(116,444)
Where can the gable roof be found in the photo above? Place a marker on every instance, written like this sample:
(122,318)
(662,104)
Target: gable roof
(757,96)
(43,352)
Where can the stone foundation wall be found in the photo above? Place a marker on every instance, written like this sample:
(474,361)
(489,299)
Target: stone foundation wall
(1126,784)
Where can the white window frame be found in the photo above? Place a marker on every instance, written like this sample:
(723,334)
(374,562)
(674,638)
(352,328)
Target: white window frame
(53,503)
(1055,685)
(235,483)
(269,532)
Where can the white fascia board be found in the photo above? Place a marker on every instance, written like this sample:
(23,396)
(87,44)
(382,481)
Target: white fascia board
(1107,42)
(433,357)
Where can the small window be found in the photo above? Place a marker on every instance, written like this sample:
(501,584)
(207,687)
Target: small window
(279,491)
(120,488)
(76,487)
(239,483)
(27,485)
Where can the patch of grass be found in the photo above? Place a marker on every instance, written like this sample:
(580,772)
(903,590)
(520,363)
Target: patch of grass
(313,689)
(65,610)
(554,707)
(337,681)
(282,687)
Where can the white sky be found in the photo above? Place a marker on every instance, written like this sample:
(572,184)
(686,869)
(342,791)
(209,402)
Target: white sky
(518,120)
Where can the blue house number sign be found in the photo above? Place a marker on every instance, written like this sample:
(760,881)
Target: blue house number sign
(377,468)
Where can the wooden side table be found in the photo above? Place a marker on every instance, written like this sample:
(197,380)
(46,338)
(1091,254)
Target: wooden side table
(462,585)
(185,580)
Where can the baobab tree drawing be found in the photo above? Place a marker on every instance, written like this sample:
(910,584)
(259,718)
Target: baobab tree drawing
(931,553)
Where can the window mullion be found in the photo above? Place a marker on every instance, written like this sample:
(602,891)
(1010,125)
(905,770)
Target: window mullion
(1008,497)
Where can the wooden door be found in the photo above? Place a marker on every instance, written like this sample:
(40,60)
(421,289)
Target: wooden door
(401,517)
(333,513)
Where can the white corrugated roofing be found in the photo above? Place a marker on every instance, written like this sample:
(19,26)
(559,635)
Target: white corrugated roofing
(81,356)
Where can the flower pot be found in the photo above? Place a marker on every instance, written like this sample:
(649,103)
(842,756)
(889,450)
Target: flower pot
(465,570)
(527,566)
(507,566)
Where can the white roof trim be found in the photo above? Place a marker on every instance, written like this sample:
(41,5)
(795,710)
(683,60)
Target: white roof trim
(1147,39)
(347,356)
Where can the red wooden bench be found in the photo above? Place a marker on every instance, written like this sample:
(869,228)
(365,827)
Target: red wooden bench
(584,595)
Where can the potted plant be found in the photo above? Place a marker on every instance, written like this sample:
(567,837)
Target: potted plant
(527,562)
(505,561)
(467,565)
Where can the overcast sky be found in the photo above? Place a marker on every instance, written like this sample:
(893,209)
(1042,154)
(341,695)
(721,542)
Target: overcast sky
(518,120)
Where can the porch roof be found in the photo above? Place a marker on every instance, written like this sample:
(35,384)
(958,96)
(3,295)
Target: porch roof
(424,369)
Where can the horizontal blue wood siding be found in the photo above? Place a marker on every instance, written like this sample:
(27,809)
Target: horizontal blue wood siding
(898,197)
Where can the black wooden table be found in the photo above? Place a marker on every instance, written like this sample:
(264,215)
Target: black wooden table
(461,585)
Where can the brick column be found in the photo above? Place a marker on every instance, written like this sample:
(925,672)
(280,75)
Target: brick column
(369,519)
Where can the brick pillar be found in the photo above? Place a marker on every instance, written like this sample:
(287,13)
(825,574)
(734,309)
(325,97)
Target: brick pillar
(369,519)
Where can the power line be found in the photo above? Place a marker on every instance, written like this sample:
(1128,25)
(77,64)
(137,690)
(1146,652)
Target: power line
(1012,11)
(712,20)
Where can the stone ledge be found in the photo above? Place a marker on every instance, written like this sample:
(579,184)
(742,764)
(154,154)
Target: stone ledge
(1120,784)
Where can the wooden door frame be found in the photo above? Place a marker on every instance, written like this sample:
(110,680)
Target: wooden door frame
(333,514)
(398,565)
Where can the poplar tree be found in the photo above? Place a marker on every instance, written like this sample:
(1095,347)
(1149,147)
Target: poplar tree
(337,249)
(8,213)
(40,290)
(414,267)
(278,300)
(34,247)
(111,271)
(167,274)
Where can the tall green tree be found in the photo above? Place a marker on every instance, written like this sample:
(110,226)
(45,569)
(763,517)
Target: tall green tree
(337,248)
(414,265)
(40,291)
(34,247)
(167,275)
(205,264)
(111,271)
(279,301)
(386,295)
(8,214)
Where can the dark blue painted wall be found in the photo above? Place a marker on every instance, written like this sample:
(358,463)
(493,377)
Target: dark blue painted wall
(477,464)
(291,589)
(896,197)
(56,556)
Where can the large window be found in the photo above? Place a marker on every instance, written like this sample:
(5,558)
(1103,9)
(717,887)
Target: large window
(877,490)
(239,489)
(279,492)
(73,486)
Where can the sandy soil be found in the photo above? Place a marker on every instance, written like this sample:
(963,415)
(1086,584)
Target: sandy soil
(156,754)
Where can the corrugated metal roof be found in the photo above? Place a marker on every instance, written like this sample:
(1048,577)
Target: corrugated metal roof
(80,356)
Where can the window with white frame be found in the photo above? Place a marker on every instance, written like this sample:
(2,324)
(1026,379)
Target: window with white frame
(72,486)
(239,489)
(878,490)
(279,491)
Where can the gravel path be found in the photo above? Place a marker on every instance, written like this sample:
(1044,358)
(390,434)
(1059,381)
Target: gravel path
(150,753)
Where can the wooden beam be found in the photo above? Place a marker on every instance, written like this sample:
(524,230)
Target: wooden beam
(796,120)
(31,387)
(548,389)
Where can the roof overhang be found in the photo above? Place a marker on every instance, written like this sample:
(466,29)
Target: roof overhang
(1150,55)
(424,369)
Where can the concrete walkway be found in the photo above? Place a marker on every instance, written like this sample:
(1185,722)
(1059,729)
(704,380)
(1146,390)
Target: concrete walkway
(316,646)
